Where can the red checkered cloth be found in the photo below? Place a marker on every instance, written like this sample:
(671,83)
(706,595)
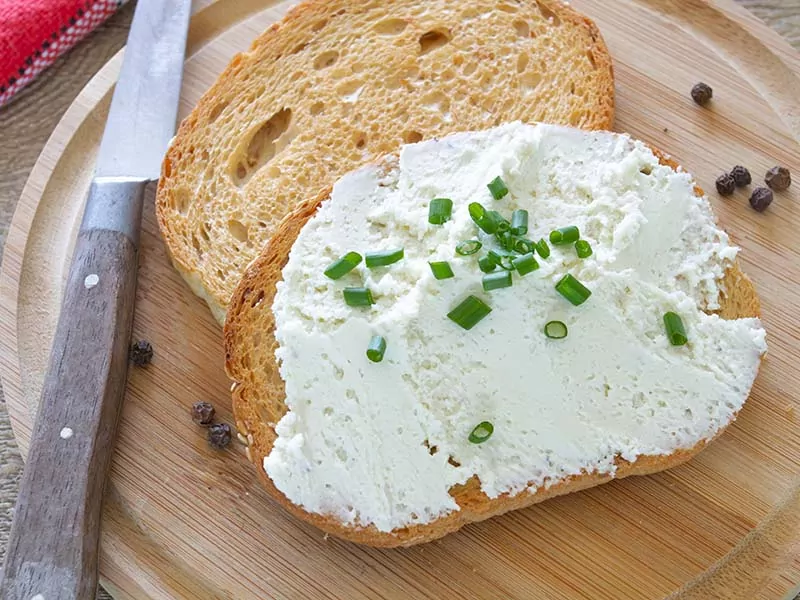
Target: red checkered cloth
(34,33)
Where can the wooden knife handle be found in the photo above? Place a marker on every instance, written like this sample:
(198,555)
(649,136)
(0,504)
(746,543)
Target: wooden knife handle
(53,547)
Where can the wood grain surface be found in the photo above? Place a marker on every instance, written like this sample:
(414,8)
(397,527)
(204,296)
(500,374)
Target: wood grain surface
(664,529)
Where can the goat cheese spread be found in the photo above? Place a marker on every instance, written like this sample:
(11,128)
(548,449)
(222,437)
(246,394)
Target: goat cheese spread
(383,443)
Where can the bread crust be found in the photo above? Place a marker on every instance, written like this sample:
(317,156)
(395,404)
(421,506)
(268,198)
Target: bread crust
(194,221)
(258,393)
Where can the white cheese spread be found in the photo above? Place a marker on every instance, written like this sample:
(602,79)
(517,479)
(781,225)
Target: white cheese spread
(383,443)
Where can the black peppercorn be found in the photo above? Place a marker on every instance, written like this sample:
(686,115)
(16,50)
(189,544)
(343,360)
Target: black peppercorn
(725,184)
(219,435)
(778,178)
(202,413)
(741,176)
(702,93)
(761,198)
(141,353)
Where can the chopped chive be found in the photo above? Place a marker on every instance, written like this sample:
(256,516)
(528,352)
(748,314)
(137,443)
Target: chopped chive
(503,227)
(675,331)
(564,235)
(502,260)
(555,330)
(506,240)
(383,258)
(498,188)
(482,218)
(487,264)
(441,269)
(358,296)
(376,348)
(573,290)
(481,433)
(496,281)
(519,222)
(524,246)
(340,268)
(439,210)
(583,249)
(525,264)
(469,247)
(542,248)
(470,312)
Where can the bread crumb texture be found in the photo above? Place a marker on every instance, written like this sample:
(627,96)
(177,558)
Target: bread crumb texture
(339,82)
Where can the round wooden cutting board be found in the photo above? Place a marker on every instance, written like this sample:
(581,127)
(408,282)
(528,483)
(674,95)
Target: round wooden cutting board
(184,521)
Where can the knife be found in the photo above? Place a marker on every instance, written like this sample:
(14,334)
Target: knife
(53,546)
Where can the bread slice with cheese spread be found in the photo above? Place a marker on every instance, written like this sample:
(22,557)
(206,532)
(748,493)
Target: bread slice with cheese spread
(381,453)
(337,83)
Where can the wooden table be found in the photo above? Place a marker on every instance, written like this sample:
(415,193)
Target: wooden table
(28,121)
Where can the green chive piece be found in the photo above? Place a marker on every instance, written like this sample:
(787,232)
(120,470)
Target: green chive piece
(501,260)
(525,264)
(524,246)
(542,248)
(583,249)
(441,270)
(675,331)
(498,188)
(340,268)
(481,433)
(519,222)
(470,312)
(487,264)
(496,281)
(358,296)
(376,348)
(469,247)
(573,290)
(555,330)
(439,210)
(383,258)
(506,240)
(565,235)
(482,218)
(503,227)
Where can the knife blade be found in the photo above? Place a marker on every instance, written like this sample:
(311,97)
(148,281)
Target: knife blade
(54,541)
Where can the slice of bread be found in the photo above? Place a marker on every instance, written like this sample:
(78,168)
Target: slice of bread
(339,82)
(258,395)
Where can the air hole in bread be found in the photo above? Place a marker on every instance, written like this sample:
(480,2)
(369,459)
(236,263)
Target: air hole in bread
(181,199)
(575,118)
(221,275)
(299,48)
(319,25)
(572,88)
(326,59)
(204,232)
(238,230)
(548,14)
(350,90)
(522,62)
(391,26)
(216,110)
(197,247)
(167,167)
(469,68)
(360,139)
(509,8)
(590,56)
(412,137)
(316,108)
(431,40)
(522,29)
(436,101)
(257,149)
(530,81)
